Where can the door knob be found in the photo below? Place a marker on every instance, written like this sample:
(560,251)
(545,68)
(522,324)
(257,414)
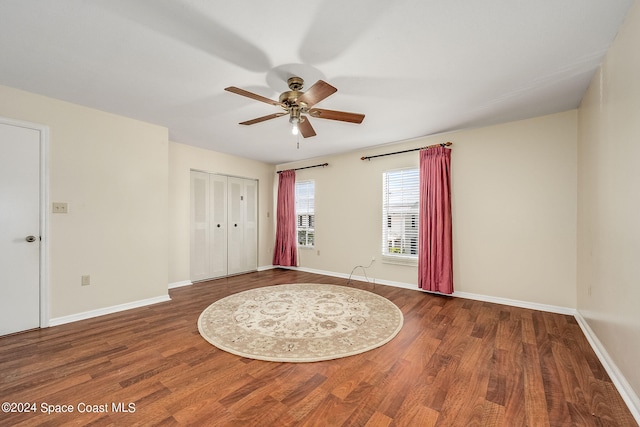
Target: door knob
(31,239)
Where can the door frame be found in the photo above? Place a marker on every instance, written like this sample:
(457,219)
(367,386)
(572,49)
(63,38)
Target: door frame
(44,212)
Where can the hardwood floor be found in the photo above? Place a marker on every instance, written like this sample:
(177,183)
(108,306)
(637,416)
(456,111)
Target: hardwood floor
(455,362)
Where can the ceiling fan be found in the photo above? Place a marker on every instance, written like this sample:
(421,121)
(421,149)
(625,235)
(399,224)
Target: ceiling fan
(296,104)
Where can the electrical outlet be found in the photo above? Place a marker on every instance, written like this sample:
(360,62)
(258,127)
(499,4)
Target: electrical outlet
(60,207)
(373,258)
(85,280)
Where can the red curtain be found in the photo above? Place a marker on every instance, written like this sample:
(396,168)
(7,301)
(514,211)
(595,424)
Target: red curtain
(286,250)
(435,254)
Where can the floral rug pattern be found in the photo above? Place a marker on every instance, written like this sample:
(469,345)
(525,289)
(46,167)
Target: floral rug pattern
(300,322)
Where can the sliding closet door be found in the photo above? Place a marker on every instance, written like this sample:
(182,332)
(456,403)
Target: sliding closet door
(236,225)
(250,237)
(224,225)
(218,225)
(243,237)
(200,253)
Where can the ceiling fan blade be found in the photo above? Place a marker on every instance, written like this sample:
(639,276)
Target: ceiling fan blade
(263,118)
(343,116)
(306,129)
(251,95)
(316,93)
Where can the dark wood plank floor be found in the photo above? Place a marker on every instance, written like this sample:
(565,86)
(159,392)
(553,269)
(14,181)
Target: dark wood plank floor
(455,362)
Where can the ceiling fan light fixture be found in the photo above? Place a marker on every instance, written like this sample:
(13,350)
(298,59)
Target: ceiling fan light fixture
(295,120)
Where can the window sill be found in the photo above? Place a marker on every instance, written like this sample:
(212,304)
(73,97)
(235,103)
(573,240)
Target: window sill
(398,260)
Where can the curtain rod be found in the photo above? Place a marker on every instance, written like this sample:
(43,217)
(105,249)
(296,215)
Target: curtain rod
(307,167)
(446,144)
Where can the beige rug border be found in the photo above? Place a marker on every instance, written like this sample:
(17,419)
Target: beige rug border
(301,360)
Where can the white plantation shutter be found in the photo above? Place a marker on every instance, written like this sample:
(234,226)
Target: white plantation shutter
(305,212)
(400,205)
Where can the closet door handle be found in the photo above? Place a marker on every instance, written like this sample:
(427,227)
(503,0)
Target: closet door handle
(218,225)
(235,225)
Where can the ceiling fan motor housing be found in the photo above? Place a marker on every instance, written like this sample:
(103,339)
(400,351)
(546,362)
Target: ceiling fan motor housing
(289,98)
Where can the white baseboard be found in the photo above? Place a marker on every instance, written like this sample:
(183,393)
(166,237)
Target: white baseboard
(517,303)
(624,388)
(466,295)
(107,310)
(180,284)
(189,282)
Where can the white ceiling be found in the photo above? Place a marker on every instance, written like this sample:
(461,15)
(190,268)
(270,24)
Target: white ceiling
(414,67)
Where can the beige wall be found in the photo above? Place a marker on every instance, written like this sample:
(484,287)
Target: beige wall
(609,203)
(514,210)
(112,172)
(118,176)
(513,201)
(183,158)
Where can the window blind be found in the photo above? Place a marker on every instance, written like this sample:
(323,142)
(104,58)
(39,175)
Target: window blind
(305,212)
(400,207)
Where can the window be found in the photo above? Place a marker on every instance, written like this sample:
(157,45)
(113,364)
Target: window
(400,205)
(305,197)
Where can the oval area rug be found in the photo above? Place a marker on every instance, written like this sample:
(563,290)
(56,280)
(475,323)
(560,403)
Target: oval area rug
(305,322)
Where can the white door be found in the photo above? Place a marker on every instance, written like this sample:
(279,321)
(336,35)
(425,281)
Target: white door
(208,225)
(224,225)
(235,203)
(242,243)
(250,238)
(19,228)
(200,253)
(218,225)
